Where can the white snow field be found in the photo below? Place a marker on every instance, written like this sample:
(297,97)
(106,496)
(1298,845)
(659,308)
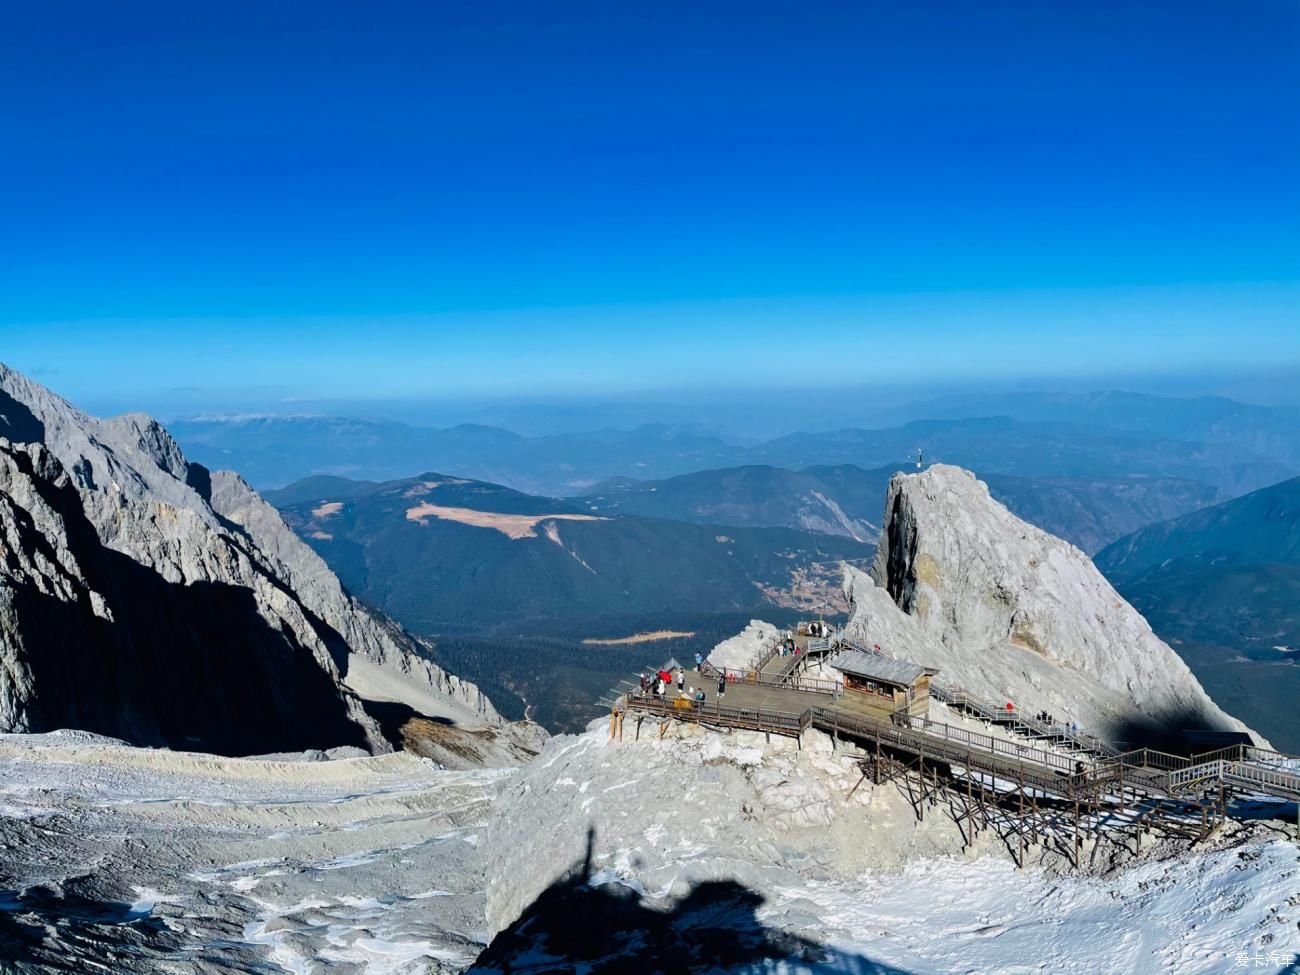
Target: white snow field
(172,862)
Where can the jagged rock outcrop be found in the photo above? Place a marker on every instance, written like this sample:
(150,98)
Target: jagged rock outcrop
(1012,613)
(143,597)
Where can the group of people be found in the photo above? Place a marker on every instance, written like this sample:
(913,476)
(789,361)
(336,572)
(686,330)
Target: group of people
(659,683)
(1050,719)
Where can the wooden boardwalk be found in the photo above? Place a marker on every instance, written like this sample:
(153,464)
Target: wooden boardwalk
(1149,788)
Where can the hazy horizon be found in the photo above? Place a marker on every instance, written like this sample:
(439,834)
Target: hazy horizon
(740,415)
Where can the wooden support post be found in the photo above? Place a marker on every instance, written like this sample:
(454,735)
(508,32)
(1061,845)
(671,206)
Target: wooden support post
(920,805)
(1077,847)
(1020,820)
(970,811)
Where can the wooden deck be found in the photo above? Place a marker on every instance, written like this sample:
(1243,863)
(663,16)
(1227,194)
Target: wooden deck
(787,711)
(989,779)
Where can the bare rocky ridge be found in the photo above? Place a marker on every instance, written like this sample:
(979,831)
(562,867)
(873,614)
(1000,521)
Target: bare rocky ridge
(1009,612)
(143,597)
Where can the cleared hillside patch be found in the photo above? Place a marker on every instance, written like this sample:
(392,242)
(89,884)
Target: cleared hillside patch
(623,641)
(512,526)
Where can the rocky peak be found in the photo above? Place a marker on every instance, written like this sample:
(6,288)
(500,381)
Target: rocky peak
(1012,613)
(151,439)
(144,598)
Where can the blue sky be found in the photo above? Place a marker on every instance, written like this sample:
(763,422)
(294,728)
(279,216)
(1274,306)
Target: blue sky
(236,204)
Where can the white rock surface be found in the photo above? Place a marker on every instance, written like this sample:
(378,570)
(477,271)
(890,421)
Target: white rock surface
(1011,613)
(739,651)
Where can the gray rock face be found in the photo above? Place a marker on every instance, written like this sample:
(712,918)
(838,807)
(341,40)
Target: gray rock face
(1012,613)
(143,597)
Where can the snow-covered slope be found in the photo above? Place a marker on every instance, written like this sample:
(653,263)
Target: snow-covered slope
(763,857)
(1012,613)
(838,874)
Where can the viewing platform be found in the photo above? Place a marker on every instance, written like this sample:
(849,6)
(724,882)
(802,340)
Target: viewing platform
(877,707)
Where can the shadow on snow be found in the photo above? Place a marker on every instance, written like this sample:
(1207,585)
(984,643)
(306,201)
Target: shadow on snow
(576,925)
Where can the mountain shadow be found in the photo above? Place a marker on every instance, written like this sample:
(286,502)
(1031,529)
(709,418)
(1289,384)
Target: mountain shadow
(17,422)
(605,929)
(1184,732)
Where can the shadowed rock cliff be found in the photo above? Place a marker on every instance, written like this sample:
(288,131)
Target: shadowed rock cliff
(144,597)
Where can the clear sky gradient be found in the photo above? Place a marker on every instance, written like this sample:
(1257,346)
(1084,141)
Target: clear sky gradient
(281,201)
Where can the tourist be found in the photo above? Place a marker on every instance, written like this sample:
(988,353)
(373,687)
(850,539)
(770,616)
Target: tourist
(699,695)
(722,686)
(699,662)
(681,679)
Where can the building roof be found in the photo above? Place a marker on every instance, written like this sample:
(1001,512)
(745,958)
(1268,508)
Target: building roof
(875,667)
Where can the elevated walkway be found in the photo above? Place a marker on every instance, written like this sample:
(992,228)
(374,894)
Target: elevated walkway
(775,696)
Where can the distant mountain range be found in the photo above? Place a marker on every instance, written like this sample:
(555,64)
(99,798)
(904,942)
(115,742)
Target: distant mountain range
(1001,445)
(1223,586)
(274,451)
(1269,431)
(847,500)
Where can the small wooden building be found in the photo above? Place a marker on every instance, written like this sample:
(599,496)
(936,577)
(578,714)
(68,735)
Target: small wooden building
(884,683)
